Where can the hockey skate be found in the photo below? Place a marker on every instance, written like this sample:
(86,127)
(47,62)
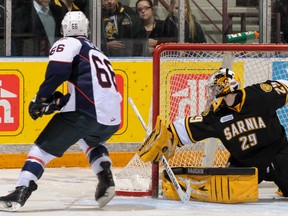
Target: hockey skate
(279,192)
(16,199)
(106,187)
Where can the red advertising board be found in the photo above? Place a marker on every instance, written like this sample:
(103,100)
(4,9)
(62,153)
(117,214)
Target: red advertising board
(182,101)
(10,103)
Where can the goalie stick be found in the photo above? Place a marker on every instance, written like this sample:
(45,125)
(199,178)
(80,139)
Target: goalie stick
(184,196)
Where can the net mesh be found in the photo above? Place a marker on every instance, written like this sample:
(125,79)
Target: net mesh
(182,84)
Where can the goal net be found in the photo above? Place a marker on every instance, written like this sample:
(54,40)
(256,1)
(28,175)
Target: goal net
(180,73)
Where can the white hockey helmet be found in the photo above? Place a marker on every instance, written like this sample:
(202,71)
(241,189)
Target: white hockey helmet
(222,82)
(75,23)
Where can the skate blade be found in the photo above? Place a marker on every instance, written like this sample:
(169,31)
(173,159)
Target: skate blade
(9,206)
(110,193)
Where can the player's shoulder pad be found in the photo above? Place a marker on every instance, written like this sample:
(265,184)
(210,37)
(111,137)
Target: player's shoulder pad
(278,85)
(65,49)
(266,86)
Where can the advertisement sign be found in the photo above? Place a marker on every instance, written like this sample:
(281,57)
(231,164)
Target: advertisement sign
(11,102)
(184,89)
(14,99)
(187,99)
(121,79)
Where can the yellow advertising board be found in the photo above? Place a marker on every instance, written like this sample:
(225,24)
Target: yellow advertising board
(20,81)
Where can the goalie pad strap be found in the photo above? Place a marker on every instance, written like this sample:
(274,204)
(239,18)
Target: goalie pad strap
(214,171)
(219,188)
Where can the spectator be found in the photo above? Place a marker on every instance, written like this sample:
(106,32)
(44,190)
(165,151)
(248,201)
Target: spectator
(193,31)
(123,32)
(38,21)
(153,26)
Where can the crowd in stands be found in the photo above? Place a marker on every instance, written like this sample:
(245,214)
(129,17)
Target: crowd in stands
(136,33)
(123,31)
(126,31)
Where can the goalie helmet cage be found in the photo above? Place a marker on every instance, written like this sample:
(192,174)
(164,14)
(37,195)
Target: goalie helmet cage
(180,72)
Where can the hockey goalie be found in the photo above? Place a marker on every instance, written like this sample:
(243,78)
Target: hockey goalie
(245,121)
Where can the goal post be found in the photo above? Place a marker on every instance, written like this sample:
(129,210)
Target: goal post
(180,73)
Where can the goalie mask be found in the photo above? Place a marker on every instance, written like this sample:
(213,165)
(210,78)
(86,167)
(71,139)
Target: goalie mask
(75,23)
(221,83)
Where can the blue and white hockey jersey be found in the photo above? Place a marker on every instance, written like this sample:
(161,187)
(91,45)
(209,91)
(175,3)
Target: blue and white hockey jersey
(90,76)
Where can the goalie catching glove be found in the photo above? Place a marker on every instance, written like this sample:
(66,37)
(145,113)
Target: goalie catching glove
(162,141)
(38,108)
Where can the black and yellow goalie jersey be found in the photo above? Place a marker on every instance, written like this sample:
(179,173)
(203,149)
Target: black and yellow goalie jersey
(250,129)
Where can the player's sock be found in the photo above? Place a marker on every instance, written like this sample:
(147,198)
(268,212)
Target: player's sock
(34,166)
(106,187)
(16,199)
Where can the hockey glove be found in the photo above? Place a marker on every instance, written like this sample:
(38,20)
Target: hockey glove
(37,108)
(53,104)
(160,142)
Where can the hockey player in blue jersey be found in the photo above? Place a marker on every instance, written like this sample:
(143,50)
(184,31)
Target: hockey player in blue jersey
(89,113)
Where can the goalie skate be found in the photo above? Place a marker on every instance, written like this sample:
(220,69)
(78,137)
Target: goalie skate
(106,187)
(16,199)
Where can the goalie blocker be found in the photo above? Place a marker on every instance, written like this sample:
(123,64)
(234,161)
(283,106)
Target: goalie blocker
(219,185)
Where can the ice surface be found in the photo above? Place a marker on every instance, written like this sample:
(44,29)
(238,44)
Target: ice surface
(70,191)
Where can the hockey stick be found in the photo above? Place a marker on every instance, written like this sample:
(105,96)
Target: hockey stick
(137,113)
(185,197)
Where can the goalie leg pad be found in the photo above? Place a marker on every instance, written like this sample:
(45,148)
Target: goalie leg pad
(215,188)
(160,142)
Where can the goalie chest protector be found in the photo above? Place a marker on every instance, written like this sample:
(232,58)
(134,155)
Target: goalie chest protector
(220,185)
